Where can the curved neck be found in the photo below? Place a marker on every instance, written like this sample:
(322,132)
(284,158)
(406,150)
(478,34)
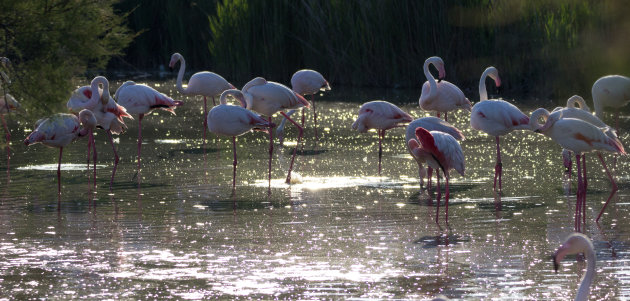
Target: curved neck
(483,93)
(236,94)
(533,120)
(95,93)
(599,110)
(585,285)
(430,79)
(578,102)
(180,74)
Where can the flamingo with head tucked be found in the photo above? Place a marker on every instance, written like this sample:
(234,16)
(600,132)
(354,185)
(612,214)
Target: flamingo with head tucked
(58,131)
(496,117)
(577,243)
(141,99)
(441,96)
(305,82)
(268,98)
(579,137)
(441,151)
(610,91)
(382,116)
(234,121)
(429,124)
(205,83)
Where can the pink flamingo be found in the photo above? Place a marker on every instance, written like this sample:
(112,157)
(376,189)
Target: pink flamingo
(441,151)
(234,121)
(496,117)
(610,91)
(142,99)
(206,83)
(109,115)
(267,98)
(441,96)
(430,124)
(8,103)
(305,82)
(58,131)
(577,243)
(579,137)
(380,115)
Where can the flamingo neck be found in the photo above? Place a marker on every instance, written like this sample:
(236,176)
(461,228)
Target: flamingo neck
(95,93)
(533,120)
(587,280)
(599,110)
(180,74)
(234,92)
(430,79)
(483,92)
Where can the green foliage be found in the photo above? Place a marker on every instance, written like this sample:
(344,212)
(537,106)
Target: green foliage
(50,42)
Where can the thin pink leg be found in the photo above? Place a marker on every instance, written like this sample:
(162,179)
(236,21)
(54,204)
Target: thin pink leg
(445,116)
(437,114)
(612,181)
(213,102)
(314,115)
(380,149)
(8,136)
(94,158)
(116,159)
(446,196)
(270,151)
(140,116)
(498,168)
(234,163)
(303,109)
(89,153)
(439,195)
(578,193)
(300,132)
(585,184)
(59,180)
(429,176)
(420,175)
(205,119)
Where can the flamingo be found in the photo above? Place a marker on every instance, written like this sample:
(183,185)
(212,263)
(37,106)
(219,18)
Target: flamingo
(305,82)
(430,124)
(58,131)
(579,137)
(441,151)
(380,115)
(496,117)
(206,83)
(268,98)
(8,103)
(234,121)
(610,91)
(141,99)
(441,96)
(574,244)
(109,115)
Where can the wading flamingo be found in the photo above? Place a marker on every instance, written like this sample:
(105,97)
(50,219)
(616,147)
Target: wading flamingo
(268,98)
(577,243)
(382,116)
(8,103)
(610,91)
(305,82)
(429,124)
(441,96)
(58,131)
(141,99)
(205,83)
(496,118)
(109,115)
(579,137)
(441,151)
(234,121)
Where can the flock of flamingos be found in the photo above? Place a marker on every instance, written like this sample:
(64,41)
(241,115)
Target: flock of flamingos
(430,140)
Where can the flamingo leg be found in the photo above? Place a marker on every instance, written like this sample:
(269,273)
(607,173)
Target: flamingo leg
(439,195)
(446,196)
(612,181)
(314,115)
(303,116)
(234,163)
(89,145)
(8,137)
(578,193)
(270,151)
(116,159)
(59,180)
(300,133)
(498,168)
(205,121)
(445,116)
(140,116)
(585,184)
(95,156)
(420,175)
(429,175)
(380,150)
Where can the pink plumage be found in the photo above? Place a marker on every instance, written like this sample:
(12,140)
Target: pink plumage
(443,96)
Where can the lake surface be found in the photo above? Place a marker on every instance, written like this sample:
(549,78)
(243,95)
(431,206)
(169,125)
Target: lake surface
(342,233)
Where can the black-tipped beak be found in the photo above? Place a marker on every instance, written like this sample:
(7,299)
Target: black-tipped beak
(537,131)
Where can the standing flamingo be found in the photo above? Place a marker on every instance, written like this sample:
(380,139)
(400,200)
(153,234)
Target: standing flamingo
(267,98)
(8,103)
(234,121)
(441,96)
(429,124)
(579,137)
(142,99)
(380,115)
(206,83)
(109,115)
(305,82)
(610,91)
(577,243)
(58,131)
(496,117)
(441,151)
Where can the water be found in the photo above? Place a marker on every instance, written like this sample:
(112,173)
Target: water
(342,233)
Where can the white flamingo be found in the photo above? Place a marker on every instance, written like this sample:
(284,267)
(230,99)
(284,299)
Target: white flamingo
(441,96)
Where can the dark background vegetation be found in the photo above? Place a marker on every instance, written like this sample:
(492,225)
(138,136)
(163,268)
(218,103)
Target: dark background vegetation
(545,49)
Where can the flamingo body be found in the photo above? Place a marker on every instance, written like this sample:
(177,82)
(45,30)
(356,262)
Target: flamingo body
(381,115)
(267,97)
(497,117)
(308,82)
(204,83)
(229,120)
(142,99)
(610,91)
(443,96)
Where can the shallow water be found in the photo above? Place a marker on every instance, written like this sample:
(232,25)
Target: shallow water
(342,233)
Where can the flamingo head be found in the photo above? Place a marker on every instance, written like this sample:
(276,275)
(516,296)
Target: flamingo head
(174,58)
(574,244)
(493,73)
(87,119)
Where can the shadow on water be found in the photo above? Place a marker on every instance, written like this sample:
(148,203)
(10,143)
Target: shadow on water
(441,240)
